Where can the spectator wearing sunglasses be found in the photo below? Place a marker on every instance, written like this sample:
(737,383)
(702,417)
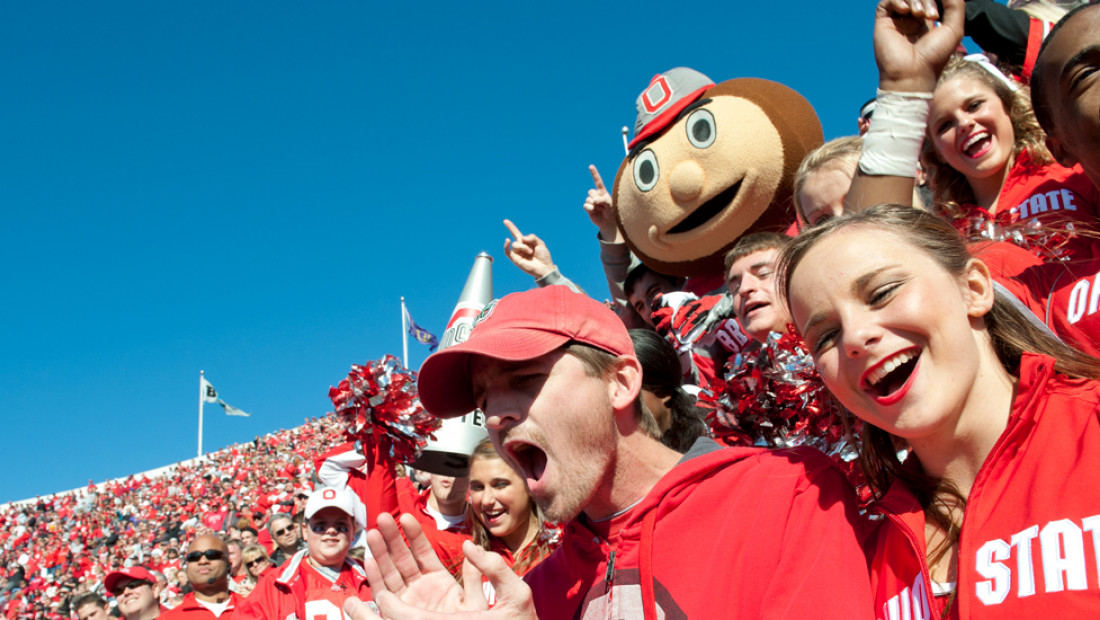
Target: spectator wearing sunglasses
(320,577)
(256,563)
(286,537)
(135,592)
(207,568)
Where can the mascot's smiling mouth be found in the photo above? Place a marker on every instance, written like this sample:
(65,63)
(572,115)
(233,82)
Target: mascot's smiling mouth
(706,211)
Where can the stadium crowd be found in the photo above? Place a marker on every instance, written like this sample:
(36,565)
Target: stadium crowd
(885,411)
(54,549)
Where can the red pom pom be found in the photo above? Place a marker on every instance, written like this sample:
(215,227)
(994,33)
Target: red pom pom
(772,396)
(380,404)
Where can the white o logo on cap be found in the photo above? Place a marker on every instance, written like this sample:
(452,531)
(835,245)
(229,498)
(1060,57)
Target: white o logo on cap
(328,494)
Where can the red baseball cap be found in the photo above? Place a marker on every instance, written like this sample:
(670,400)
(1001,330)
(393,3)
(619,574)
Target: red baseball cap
(133,573)
(516,328)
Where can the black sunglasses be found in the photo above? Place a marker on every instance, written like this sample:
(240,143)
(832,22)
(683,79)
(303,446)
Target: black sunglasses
(255,562)
(282,531)
(129,585)
(210,554)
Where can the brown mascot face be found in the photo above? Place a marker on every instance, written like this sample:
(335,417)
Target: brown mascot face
(723,168)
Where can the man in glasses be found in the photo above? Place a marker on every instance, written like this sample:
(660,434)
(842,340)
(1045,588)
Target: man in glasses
(315,581)
(285,536)
(136,593)
(207,568)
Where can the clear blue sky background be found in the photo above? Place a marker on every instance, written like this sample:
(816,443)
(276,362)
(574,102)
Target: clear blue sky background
(249,188)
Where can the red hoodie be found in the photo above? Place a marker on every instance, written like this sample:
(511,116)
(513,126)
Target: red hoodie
(728,533)
(1030,544)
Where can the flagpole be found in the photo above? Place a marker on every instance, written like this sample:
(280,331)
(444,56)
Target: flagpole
(404,334)
(201,401)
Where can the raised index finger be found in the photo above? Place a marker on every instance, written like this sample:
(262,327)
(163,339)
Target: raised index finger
(512,229)
(596,178)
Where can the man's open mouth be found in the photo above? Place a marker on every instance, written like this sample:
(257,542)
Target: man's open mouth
(530,459)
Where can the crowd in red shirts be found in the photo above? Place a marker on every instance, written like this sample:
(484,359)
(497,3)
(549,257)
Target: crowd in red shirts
(55,547)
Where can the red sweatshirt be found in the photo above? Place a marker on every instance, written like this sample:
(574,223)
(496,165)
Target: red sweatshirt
(1030,542)
(729,533)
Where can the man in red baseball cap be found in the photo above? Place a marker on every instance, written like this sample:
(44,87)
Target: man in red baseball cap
(734,532)
(136,591)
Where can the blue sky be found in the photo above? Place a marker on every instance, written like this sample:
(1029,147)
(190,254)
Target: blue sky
(248,188)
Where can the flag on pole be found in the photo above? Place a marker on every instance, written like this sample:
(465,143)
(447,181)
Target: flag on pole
(231,410)
(209,394)
(421,335)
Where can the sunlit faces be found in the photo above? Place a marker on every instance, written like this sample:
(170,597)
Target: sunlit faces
(751,280)
(329,535)
(284,533)
(823,193)
(234,548)
(91,611)
(256,566)
(646,289)
(135,597)
(201,567)
(1071,67)
(553,423)
(897,339)
(449,492)
(971,129)
(500,501)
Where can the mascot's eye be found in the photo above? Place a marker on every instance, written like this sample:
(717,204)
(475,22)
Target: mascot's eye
(646,171)
(700,128)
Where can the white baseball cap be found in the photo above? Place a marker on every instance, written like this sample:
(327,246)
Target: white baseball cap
(337,497)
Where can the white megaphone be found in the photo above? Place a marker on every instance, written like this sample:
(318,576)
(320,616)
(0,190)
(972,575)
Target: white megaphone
(449,453)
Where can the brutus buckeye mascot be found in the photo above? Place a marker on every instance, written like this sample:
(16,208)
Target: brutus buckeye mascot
(708,163)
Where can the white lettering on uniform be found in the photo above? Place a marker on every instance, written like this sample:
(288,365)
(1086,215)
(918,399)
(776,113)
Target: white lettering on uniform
(1085,292)
(1061,552)
(1053,198)
(990,556)
(1092,524)
(731,336)
(1063,547)
(1022,542)
(1046,201)
(909,604)
(1067,200)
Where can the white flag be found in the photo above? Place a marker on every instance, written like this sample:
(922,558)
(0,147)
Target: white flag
(231,410)
(209,394)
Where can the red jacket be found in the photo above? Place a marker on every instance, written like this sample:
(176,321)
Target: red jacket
(1052,194)
(1069,300)
(730,533)
(1030,538)
(191,609)
(297,588)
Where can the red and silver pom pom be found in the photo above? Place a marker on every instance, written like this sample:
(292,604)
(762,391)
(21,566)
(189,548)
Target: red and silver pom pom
(379,401)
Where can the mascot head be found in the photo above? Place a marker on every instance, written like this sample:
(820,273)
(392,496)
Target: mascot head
(708,164)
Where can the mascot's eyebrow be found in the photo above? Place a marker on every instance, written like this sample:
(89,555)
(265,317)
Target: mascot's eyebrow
(644,143)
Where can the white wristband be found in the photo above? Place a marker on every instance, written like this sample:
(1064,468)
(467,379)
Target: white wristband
(891,146)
